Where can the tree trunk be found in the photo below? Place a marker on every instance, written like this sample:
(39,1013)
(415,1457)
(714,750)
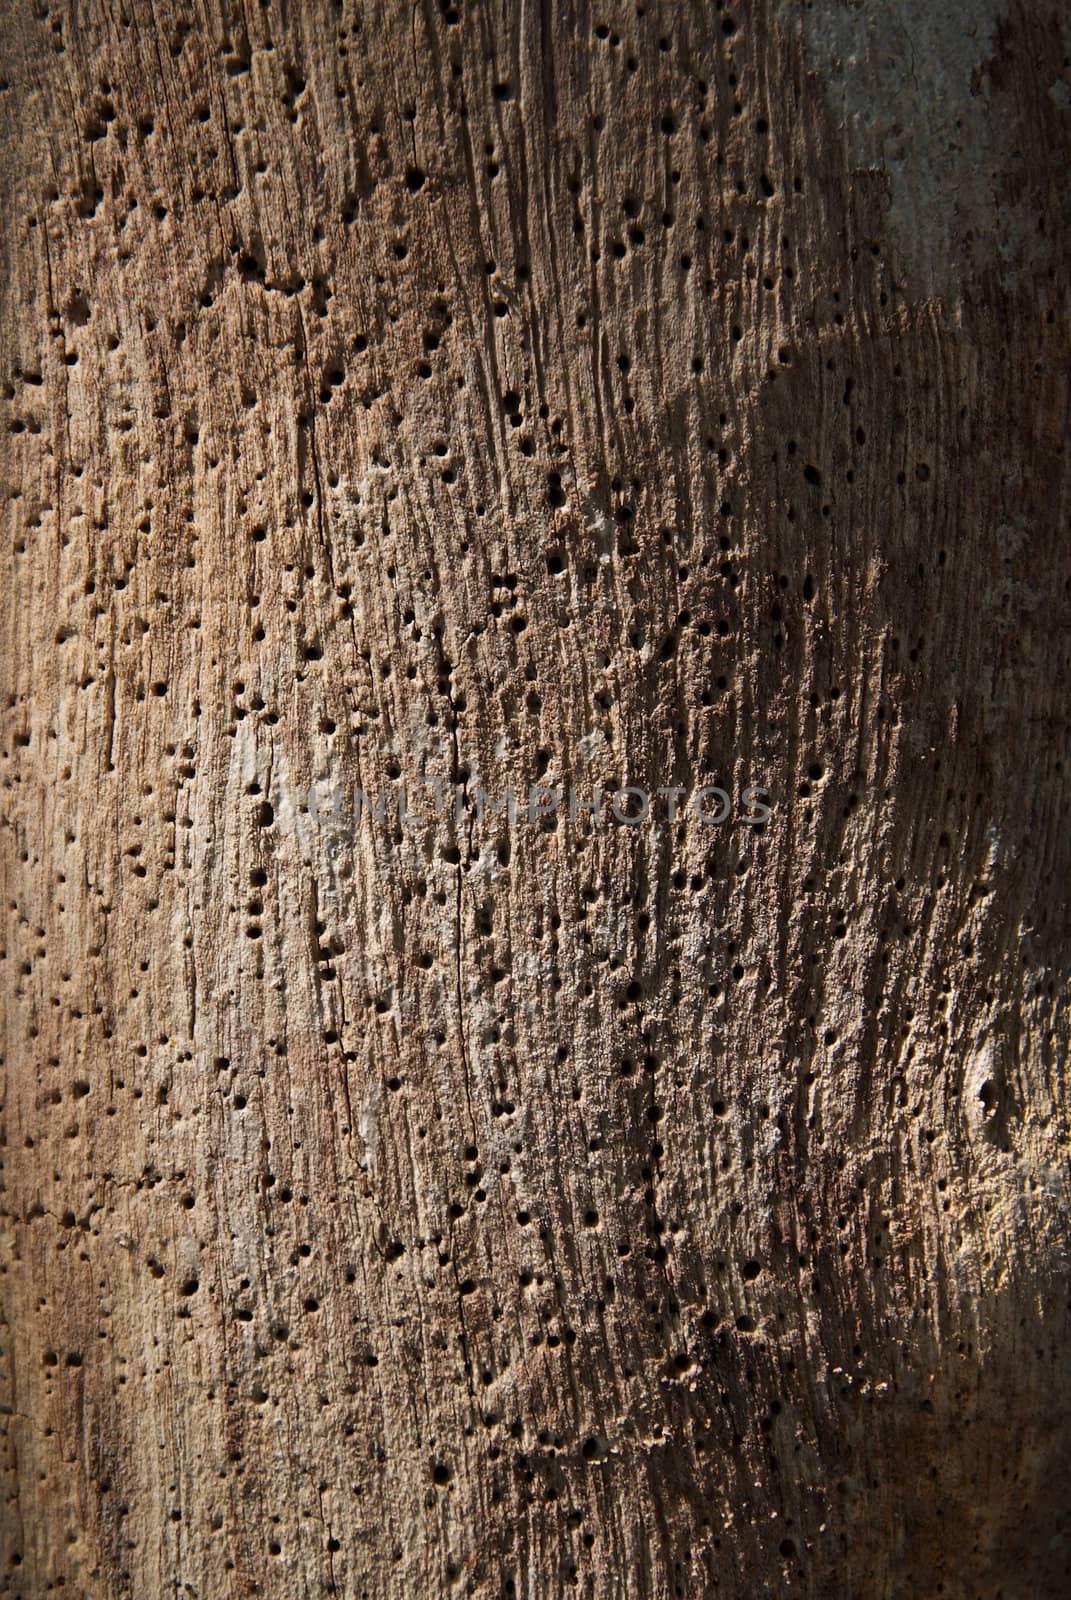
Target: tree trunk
(405,1195)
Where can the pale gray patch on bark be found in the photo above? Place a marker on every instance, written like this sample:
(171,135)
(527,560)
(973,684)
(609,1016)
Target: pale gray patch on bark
(910,83)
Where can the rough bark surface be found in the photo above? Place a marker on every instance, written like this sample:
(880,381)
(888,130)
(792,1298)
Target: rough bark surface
(535,393)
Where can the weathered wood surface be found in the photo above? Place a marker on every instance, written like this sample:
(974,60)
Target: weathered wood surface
(517,393)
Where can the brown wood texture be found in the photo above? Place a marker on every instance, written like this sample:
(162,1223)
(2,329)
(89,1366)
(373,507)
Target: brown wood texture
(535,393)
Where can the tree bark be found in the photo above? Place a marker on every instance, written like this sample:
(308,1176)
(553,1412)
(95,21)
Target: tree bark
(569,1202)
